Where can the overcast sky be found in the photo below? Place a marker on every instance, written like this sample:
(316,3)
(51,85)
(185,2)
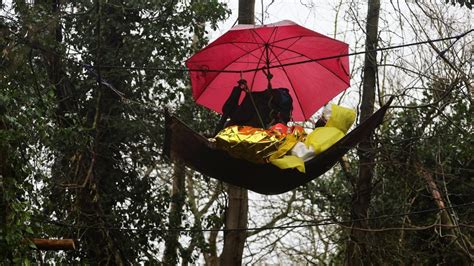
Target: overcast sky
(316,15)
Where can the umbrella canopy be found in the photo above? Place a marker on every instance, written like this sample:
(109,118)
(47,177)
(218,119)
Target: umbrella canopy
(311,65)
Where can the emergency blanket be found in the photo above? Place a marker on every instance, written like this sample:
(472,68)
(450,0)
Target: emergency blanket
(255,144)
(285,147)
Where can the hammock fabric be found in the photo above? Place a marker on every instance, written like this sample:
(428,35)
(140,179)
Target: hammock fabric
(182,143)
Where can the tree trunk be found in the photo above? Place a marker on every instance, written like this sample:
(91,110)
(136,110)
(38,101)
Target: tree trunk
(64,104)
(246,12)
(236,218)
(95,201)
(211,258)
(170,256)
(453,234)
(357,253)
(237,210)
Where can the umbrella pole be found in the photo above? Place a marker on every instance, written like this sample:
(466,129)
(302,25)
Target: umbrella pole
(267,73)
(269,87)
(270,99)
(255,106)
(269,84)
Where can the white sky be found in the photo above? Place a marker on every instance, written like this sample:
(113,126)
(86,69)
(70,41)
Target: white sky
(318,16)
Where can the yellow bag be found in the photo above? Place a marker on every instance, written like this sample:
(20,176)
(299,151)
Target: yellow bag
(289,161)
(341,118)
(322,138)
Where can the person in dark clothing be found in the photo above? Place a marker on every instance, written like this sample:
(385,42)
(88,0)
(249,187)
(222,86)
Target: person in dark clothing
(258,109)
(231,104)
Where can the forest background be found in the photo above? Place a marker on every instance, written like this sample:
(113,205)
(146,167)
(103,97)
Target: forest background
(83,86)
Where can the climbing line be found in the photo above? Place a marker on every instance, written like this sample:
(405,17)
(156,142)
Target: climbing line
(457,37)
(324,222)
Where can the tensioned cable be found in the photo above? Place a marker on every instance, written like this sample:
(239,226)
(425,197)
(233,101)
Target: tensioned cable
(325,223)
(90,68)
(288,64)
(275,227)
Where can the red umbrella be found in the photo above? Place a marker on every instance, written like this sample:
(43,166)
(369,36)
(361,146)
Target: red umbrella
(311,65)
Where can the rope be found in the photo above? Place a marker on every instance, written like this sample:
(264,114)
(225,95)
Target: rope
(325,222)
(457,37)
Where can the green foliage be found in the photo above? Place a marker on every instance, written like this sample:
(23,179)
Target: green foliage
(16,224)
(437,137)
(90,154)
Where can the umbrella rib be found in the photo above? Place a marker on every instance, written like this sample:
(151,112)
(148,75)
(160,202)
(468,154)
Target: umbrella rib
(249,52)
(308,36)
(313,60)
(255,33)
(210,81)
(286,49)
(273,34)
(267,43)
(299,38)
(272,43)
(245,51)
(291,83)
(262,40)
(286,59)
(230,42)
(255,72)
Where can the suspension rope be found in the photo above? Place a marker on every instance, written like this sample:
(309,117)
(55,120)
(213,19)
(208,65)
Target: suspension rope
(457,37)
(324,222)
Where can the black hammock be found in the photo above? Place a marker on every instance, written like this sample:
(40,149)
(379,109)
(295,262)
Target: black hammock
(183,143)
